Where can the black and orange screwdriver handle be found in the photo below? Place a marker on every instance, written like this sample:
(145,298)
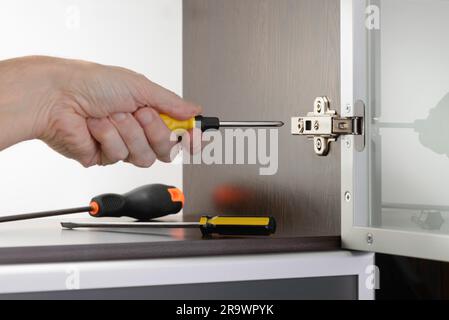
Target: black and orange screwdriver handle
(144,203)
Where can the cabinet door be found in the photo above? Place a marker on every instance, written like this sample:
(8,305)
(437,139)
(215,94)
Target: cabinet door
(395,193)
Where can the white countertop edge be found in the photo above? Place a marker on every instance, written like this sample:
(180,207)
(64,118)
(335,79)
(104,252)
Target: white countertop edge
(171,271)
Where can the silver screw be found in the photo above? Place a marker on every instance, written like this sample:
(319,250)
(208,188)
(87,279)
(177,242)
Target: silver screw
(318,107)
(316,125)
(347,196)
(347,143)
(348,108)
(369,238)
(318,145)
(300,127)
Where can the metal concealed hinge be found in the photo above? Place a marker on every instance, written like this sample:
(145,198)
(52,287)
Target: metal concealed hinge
(324,126)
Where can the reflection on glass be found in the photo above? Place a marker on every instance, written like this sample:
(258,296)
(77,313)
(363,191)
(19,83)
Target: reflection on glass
(433,131)
(409,101)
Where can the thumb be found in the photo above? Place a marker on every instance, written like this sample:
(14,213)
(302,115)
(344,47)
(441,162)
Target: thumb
(167,102)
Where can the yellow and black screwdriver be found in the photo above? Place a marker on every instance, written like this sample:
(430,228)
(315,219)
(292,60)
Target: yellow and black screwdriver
(213,123)
(219,225)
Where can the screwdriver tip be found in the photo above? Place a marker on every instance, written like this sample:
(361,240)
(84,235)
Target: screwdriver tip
(68,225)
(275,124)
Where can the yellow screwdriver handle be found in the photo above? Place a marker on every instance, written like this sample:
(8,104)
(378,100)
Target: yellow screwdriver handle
(174,124)
(237,226)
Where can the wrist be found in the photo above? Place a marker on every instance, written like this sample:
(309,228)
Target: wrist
(28,90)
(10,125)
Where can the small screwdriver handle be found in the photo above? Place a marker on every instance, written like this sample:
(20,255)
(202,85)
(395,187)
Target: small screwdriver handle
(174,124)
(203,123)
(144,203)
(237,226)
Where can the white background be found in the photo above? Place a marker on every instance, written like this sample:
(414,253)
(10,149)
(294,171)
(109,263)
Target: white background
(143,35)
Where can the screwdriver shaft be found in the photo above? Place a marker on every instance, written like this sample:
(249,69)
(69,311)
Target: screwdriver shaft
(44,214)
(74,225)
(251,124)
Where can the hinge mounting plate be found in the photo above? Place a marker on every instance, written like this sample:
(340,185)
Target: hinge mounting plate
(324,126)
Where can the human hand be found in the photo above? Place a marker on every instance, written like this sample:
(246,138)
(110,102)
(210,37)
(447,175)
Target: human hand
(95,114)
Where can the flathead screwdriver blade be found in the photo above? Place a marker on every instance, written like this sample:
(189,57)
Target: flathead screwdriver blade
(119,225)
(251,124)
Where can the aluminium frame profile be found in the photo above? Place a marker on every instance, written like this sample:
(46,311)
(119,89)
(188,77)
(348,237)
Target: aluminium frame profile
(355,166)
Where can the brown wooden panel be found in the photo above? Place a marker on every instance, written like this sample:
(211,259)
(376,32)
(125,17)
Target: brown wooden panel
(263,60)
